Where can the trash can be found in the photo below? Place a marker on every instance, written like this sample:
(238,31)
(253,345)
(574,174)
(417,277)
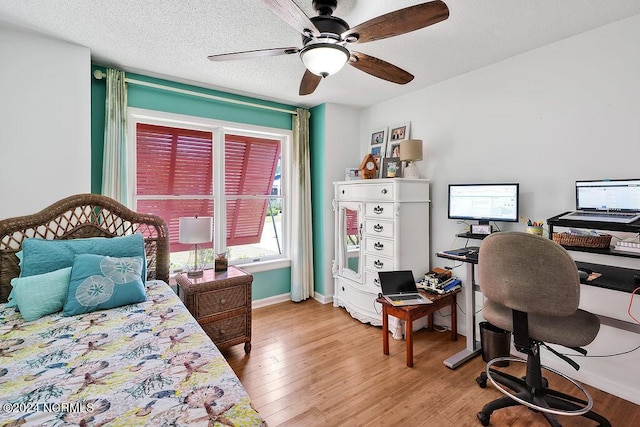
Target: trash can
(495,342)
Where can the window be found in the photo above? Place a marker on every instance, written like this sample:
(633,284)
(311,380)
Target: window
(200,167)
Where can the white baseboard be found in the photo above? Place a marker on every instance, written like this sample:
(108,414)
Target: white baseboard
(276,299)
(323,299)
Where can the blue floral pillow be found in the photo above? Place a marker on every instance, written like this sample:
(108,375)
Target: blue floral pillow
(102,282)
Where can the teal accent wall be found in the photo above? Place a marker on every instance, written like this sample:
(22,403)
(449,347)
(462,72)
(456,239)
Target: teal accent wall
(279,282)
(265,284)
(317,154)
(98,99)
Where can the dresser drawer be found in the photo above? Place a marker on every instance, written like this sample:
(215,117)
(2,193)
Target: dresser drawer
(381,191)
(378,246)
(377,228)
(371,280)
(379,210)
(374,262)
(219,301)
(226,329)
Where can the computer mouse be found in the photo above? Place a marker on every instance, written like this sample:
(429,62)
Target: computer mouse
(583,274)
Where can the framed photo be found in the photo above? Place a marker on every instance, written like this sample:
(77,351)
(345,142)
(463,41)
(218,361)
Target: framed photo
(391,168)
(378,143)
(398,134)
(351,174)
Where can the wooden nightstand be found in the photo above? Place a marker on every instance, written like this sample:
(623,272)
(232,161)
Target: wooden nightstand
(221,303)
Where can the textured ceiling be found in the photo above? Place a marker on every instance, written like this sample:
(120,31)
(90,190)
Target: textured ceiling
(172,38)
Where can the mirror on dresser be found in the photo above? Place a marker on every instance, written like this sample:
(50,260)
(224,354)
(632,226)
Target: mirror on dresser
(350,226)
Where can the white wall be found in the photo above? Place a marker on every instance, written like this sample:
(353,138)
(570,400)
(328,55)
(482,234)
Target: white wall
(342,151)
(45,121)
(544,119)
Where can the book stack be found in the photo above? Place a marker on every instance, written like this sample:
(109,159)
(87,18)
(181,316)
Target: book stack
(441,288)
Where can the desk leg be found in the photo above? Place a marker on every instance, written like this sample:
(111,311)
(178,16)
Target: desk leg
(454,320)
(385,331)
(473,346)
(408,337)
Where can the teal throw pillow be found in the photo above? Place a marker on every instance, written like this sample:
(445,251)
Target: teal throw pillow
(42,256)
(102,282)
(42,294)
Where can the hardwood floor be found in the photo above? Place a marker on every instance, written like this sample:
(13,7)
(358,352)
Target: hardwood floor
(314,365)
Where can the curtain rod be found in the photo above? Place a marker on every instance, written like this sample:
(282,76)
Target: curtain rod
(98,74)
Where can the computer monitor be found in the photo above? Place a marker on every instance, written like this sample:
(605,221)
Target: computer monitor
(484,202)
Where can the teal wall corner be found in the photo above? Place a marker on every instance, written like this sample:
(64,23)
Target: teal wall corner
(318,156)
(98,98)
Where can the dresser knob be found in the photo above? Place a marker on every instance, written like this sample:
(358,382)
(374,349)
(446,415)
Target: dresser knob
(378,210)
(378,228)
(343,289)
(384,191)
(378,264)
(376,282)
(342,191)
(378,246)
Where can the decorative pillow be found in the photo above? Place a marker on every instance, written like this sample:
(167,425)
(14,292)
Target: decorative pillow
(11,302)
(42,256)
(42,294)
(102,282)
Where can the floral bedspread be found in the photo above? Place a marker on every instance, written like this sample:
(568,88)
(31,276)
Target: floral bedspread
(141,364)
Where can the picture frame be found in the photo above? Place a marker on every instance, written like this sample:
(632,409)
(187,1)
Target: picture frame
(351,174)
(378,143)
(397,134)
(391,167)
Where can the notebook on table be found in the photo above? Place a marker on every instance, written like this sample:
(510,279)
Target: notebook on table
(399,288)
(614,201)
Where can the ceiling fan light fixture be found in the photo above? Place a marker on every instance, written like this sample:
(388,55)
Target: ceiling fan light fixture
(324,59)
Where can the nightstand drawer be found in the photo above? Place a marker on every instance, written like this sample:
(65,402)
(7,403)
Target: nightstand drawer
(226,329)
(219,301)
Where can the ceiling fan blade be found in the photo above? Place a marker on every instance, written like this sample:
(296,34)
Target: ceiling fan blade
(309,83)
(290,13)
(379,68)
(253,54)
(399,22)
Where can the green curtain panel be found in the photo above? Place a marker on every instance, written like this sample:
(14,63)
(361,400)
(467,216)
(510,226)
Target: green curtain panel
(114,165)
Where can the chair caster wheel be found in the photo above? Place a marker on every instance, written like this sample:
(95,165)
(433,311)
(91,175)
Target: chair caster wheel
(483,418)
(482,380)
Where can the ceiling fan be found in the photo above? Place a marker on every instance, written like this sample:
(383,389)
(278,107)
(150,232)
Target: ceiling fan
(324,39)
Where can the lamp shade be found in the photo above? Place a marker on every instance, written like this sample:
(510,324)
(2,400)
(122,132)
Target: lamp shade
(324,59)
(196,230)
(410,150)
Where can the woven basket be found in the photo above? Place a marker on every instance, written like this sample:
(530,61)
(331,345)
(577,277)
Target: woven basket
(569,239)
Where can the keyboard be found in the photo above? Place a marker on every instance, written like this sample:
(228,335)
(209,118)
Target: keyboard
(619,217)
(403,297)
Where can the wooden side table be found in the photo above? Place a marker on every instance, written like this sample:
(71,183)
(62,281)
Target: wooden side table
(221,303)
(410,313)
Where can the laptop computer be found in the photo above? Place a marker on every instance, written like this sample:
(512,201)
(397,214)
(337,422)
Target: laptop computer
(613,201)
(399,288)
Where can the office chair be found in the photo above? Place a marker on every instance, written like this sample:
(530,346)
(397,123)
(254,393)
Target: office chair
(532,289)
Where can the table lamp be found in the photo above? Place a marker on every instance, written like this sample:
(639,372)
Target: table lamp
(411,151)
(196,230)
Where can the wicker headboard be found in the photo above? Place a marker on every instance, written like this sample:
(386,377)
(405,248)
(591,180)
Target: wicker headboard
(79,216)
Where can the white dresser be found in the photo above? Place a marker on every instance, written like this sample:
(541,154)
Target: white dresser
(381,225)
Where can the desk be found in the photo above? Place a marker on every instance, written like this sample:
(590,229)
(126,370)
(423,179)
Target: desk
(410,313)
(473,345)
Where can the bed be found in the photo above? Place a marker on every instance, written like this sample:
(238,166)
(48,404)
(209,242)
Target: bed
(142,363)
